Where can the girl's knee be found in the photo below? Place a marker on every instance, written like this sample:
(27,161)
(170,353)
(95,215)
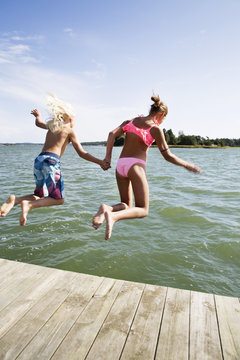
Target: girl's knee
(60,201)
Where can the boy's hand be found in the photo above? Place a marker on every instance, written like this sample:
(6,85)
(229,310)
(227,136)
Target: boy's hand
(35,112)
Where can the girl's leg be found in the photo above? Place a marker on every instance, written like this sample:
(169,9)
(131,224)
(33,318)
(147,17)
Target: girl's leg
(126,201)
(13,201)
(28,205)
(137,176)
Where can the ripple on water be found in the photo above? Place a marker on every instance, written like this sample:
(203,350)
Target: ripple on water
(189,240)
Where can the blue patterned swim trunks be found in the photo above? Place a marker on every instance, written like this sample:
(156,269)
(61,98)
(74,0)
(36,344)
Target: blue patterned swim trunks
(48,176)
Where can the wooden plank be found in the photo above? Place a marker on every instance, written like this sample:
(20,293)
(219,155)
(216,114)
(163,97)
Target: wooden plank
(20,281)
(174,333)
(48,339)
(228,313)
(143,336)
(82,335)
(53,292)
(204,335)
(11,272)
(59,315)
(112,336)
(6,265)
(31,290)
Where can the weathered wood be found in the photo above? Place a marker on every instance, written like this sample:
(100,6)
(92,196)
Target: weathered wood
(53,292)
(19,300)
(117,324)
(143,336)
(60,315)
(11,273)
(82,335)
(47,340)
(228,313)
(204,335)
(174,333)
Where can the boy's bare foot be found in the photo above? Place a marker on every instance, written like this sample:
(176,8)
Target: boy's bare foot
(99,218)
(109,224)
(25,205)
(7,206)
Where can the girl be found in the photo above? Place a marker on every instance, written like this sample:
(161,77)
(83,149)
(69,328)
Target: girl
(47,172)
(140,134)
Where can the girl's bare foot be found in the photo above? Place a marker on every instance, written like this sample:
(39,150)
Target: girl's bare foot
(7,206)
(99,218)
(25,204)
(109,224)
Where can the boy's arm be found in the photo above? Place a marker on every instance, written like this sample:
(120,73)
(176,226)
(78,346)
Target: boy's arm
(158,135)
(82,153)
(111,139)
(38,121)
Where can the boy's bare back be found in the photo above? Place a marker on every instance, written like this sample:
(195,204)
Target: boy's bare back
(57,142)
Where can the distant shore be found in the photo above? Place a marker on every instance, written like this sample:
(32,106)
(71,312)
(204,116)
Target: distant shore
(104,143)
(100,143)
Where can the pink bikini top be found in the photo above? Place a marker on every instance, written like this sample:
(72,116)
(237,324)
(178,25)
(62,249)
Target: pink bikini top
(144,134)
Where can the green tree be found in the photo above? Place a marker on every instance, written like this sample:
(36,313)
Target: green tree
(171,137)
(207,142)
(187,140)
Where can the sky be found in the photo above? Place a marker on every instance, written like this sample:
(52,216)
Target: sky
(107,57)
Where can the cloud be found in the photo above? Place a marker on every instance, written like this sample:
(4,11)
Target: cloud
(18,49)
(24,86)
(68,30)
(25,83)
(27,38)
(12,52)
(97,74)
(89,39)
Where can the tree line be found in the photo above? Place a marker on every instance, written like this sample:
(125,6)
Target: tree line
(190,140)
(196,140)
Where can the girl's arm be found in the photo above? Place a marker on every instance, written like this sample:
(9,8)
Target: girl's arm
(158,135)
(38,121)
(84,154)
(111,139)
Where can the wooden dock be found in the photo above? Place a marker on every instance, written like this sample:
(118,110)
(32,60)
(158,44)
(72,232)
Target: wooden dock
(54,314)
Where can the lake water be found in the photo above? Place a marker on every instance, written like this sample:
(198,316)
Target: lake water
(190,240)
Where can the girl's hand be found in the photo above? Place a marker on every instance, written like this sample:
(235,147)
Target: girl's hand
(193,168)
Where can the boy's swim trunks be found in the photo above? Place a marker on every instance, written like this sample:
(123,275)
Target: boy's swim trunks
(48,176)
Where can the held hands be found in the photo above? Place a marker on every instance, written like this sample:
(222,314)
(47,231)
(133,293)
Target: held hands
(105,164)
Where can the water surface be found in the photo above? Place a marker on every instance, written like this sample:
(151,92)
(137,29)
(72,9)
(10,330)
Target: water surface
(190,240)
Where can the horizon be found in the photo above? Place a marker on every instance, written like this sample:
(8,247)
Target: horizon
(107,59)
(105,141)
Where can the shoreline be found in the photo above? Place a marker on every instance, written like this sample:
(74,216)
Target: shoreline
(104,143)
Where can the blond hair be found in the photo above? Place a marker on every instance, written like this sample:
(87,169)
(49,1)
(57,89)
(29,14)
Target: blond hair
(158,106)
(60,111)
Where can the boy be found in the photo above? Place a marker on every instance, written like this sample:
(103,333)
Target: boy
(47,172)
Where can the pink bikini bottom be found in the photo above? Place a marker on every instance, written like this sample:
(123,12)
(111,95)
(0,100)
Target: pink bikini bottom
(124,164)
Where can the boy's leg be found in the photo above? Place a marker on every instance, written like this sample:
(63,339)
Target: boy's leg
(13,201)
(28,205)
